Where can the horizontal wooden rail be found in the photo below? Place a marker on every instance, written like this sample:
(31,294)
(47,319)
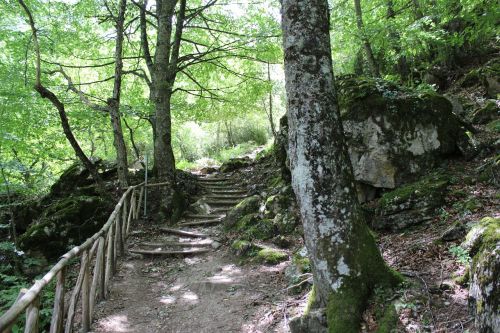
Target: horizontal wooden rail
(99,255)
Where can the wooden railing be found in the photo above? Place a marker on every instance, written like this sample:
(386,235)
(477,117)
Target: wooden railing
(98,257)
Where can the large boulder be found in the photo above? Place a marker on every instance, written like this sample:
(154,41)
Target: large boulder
(394,134)
(483,245)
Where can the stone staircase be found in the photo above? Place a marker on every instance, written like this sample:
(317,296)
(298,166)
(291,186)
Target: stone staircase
(195,234)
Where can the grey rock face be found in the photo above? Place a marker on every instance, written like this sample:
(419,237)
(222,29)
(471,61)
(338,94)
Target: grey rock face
(483,243)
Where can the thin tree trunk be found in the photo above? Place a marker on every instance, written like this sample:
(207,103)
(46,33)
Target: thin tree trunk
(345,260)
(114,102)
(417,9)
(46,93)
(402,65)
(372,63)
(9,199)
(137,152)
(270,114)
(229,133)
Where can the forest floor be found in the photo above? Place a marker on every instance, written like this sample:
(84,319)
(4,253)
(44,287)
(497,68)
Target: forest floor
(217,292)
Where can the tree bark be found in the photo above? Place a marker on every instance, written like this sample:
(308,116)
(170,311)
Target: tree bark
(163,79)
(372,63)
(345,260)
(114,101)
(270,97)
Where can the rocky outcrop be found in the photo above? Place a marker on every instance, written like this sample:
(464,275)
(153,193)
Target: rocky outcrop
(65,223)
(72,211)
(411,204)
(483,244)
(393,134)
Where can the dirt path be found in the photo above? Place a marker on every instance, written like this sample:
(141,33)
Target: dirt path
(197,293)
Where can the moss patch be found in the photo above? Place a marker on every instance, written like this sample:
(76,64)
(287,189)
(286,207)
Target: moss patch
(271,256)
(346,305)
(426,187)
(244,248)
(389,321)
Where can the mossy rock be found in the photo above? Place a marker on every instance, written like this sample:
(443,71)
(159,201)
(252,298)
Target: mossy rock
(490,111)
(245,248)
(65,223)
(483,236)
(252,227)
(271,256)
(483,244)
(248,206)
(411,204)
(280,202)
(394,133)
(235,164)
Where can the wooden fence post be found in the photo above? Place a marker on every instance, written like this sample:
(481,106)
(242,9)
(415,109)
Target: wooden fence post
(116,240)
(32,315)
(86,296)
(76,292)
(97,280)
(109,259)
(130,214)
(141,193)
(56,324)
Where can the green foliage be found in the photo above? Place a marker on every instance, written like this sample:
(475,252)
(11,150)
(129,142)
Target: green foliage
(444,34)
(460,254)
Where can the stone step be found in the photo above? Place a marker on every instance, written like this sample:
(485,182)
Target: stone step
(174,244)
(214,180)
(183,233)
(224,184)
(222,210)
(202,222)
(170,252)
(230,191)
(238,197)
(222,203)
(202,216)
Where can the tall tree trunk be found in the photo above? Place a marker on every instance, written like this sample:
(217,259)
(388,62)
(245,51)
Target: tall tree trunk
(345,260)
(114,102)
(163,79)
(366,42)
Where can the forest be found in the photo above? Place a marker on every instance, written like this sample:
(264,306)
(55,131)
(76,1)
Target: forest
(249,166)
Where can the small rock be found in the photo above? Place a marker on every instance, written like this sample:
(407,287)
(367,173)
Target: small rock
(215,245)
(455,232)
